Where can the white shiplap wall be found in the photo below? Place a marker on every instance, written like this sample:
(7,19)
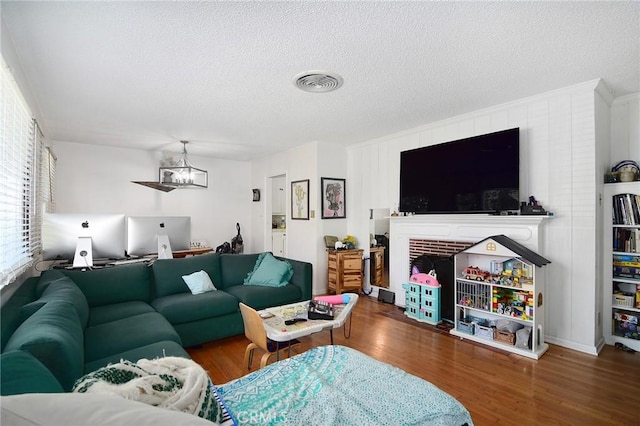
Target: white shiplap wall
(558,166)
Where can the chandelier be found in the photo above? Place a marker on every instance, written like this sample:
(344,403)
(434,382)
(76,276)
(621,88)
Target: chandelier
(183,174)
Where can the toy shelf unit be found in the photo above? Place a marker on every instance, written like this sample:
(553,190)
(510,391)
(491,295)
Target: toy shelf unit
(621,317)
(422,302)
(499,290)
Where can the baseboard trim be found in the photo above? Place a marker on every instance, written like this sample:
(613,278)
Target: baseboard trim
(591,350)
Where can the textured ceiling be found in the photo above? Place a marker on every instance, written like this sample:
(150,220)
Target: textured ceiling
(148,74)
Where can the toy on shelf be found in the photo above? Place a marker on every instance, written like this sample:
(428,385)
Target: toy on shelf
(509,273)
(517,304)
(475,273)
(422,278)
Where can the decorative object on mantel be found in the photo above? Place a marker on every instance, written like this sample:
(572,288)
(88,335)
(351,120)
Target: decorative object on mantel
(533,208)
(179,174)
(333,198)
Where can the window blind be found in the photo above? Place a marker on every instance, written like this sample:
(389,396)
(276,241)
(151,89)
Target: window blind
(18,176)
(45,194)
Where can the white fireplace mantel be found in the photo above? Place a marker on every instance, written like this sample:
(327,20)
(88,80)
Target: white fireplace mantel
(527,230)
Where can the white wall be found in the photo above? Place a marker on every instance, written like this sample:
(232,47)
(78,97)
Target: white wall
(625,128)
(97,179)
(312,161)
(559,166)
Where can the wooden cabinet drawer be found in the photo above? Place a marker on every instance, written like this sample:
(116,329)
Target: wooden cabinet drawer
(344,270)
(350,264)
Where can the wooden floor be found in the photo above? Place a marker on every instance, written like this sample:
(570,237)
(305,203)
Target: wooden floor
(563,387)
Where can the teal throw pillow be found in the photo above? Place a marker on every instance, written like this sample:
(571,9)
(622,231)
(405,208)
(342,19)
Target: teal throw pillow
(270,272)
(199,282)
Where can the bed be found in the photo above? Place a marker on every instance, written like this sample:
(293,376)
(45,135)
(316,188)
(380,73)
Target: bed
(337,385)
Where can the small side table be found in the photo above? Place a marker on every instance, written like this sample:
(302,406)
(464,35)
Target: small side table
(344,271)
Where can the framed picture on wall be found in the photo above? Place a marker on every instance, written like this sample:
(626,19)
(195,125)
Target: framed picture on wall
(333,198)
(300,200)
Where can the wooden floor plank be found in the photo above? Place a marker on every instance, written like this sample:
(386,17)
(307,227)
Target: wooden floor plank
(497,387)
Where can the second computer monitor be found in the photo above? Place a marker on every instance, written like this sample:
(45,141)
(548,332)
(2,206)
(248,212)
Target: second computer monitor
(144,233)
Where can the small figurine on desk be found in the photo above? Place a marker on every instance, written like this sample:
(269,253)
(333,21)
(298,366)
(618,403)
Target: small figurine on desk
(533,208)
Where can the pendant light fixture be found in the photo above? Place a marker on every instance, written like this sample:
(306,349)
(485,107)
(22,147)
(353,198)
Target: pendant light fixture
(183,174)
(180,175)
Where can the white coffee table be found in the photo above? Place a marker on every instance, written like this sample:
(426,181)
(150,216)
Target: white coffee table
(278,331)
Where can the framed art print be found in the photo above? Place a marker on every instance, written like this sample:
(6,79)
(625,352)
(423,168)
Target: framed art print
(300,200)
(333,198)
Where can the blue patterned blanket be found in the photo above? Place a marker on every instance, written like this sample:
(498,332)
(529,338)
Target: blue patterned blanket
(336,385)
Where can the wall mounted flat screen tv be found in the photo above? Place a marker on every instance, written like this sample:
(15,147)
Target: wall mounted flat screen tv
(473,175)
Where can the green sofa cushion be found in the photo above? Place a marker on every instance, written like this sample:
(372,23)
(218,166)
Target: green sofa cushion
(53,335)
(186,307)
(210,329)
(20,373)
(113,337)
(167,273)
(13,298)
(260,297)
(62,288)
(46,278)
(235,268)
(151,351)
(117,284)
(269,272)
(116,311)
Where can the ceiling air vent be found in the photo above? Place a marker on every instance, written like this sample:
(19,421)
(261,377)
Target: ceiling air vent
(317,81)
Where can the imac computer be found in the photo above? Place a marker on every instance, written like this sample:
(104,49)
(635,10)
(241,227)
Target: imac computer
(158,234)
(83,237)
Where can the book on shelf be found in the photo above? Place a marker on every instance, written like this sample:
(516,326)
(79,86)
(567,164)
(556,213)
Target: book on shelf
(626,209)
(626,240)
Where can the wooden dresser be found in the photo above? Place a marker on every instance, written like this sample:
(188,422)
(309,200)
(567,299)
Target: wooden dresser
(344,271)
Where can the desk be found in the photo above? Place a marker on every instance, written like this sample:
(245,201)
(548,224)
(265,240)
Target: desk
(278,331)
(191,252)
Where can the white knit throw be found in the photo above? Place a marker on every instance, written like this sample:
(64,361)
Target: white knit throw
(173,383)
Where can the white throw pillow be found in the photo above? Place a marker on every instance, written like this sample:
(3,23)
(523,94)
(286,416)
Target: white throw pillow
(199,282)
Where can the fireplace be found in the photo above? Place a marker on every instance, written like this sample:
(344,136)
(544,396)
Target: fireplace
(439,237)
(438,255)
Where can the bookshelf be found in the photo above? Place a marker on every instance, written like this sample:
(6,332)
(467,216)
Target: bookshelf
(499,301)
(622,264)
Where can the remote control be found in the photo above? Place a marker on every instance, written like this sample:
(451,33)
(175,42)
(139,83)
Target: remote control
(294,320)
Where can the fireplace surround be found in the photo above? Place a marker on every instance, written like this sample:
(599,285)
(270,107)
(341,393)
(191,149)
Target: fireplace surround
(446,235)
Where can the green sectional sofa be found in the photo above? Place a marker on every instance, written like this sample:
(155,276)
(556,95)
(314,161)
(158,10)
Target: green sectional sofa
(66,323)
